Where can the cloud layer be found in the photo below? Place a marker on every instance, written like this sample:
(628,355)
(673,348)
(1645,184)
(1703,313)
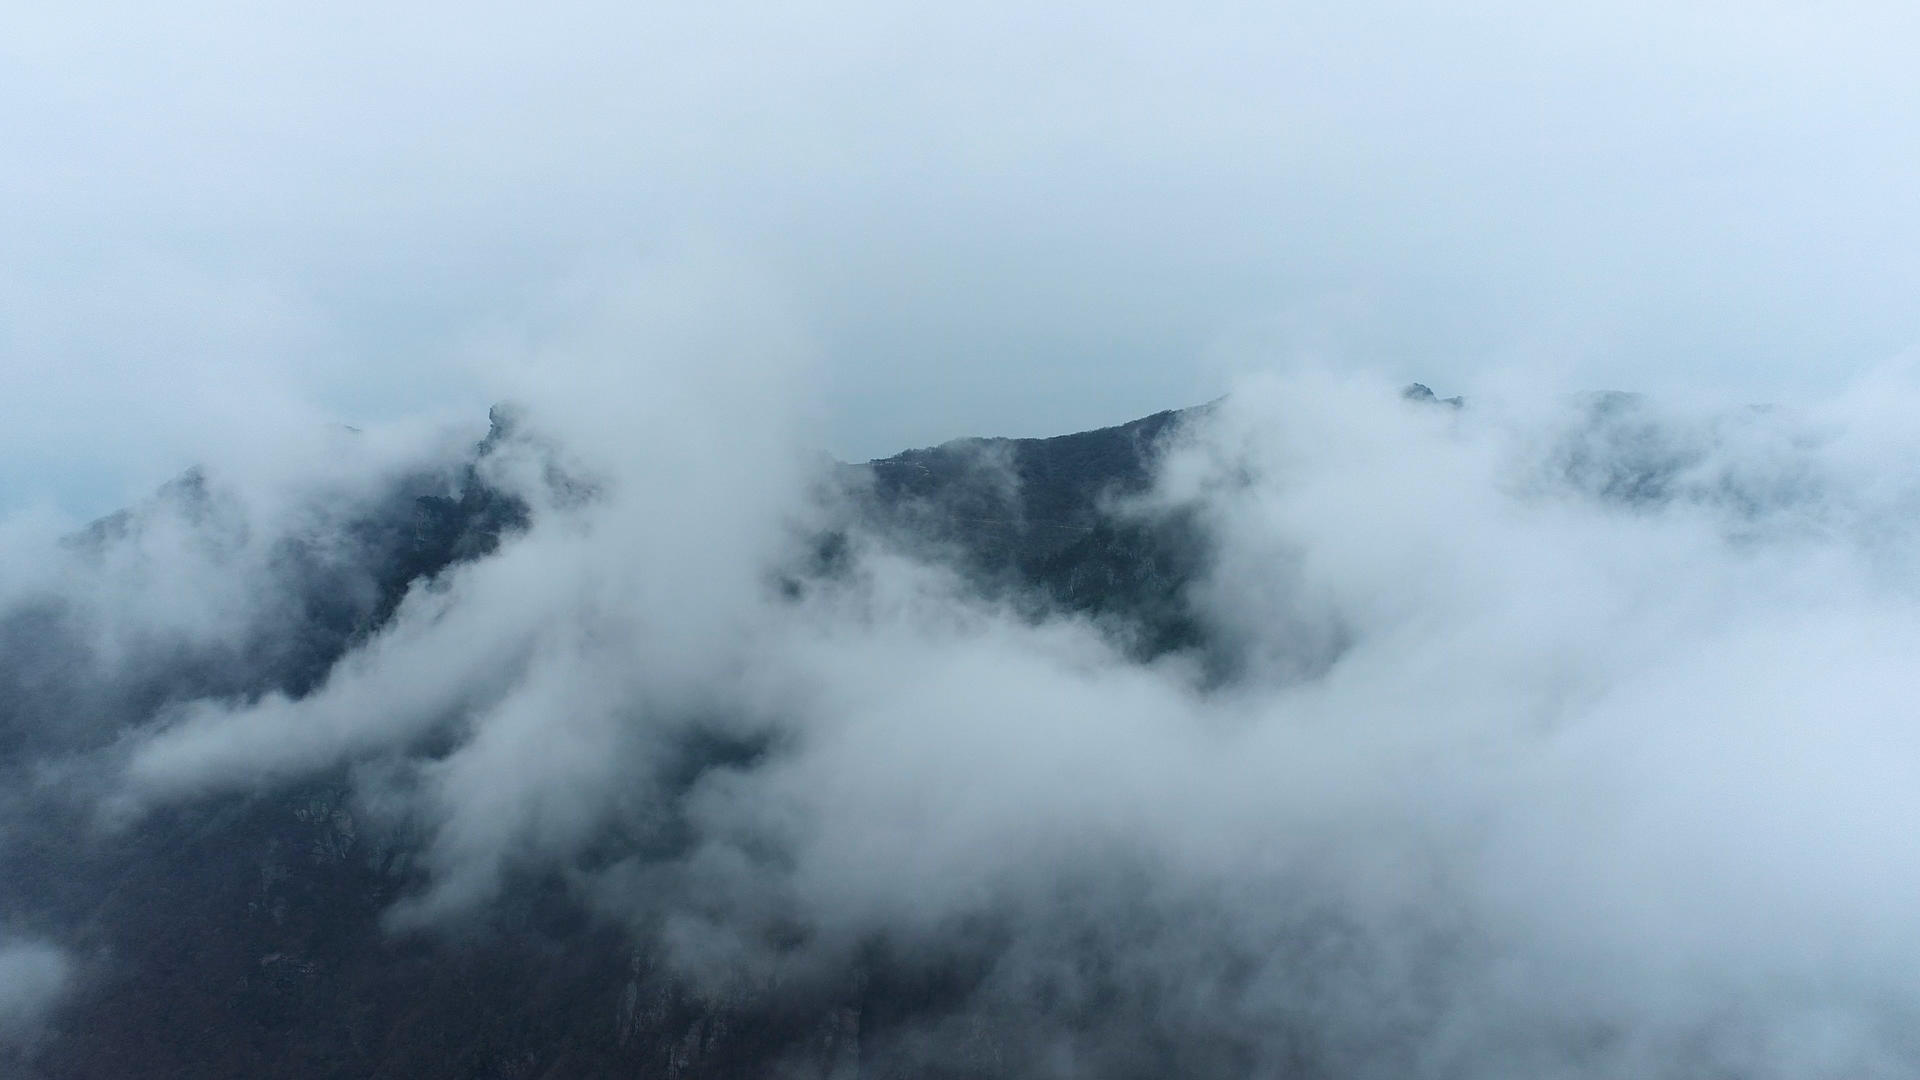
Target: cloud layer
(1546,736)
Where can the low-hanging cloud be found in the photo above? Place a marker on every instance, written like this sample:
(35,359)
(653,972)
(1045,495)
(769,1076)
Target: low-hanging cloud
(1543,736)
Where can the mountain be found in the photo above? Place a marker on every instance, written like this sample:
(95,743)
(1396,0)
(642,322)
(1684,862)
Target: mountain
(487,818)
(241,935)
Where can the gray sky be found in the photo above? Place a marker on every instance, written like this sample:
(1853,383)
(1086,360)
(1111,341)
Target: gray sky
(218,220)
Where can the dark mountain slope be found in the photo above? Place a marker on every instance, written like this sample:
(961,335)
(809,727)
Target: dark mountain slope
(1048,523)
(241,935)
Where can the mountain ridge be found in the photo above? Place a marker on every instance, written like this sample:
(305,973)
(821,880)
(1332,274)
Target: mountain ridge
(240,935)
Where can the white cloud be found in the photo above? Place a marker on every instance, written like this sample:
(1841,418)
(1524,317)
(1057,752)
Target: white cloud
(1560,762)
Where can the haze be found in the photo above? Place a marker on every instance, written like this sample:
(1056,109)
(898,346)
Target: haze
(220,219)
(1548,734)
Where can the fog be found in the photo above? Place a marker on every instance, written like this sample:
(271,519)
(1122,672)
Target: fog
(1555,733)
(1550,735)
(991,219)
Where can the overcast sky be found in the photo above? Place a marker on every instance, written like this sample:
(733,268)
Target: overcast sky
(221,219)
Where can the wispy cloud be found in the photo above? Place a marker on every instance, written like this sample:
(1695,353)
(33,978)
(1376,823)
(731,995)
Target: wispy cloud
(1564,735)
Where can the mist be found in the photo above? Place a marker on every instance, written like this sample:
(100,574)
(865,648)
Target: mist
(444,587)
(991,220)
(1543,735)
